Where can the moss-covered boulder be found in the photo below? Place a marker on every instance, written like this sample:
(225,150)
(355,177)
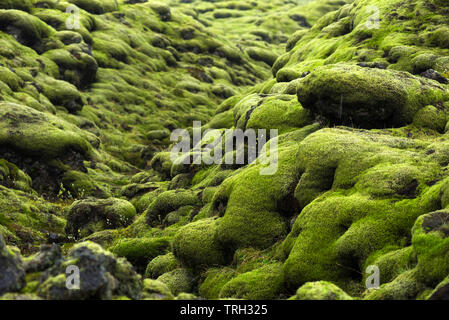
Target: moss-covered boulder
(156,290)
(431,244)
(85,217)
(102,276)
(141,251)
(264,283)
(24,5)
(96,6)
(12,273)
(214,281)
(160,265)
(13,177)
(27,220)
(195,245)
(367,97)
(170,201)
(178,281)
(321,290)
(39,134)
(404,287)
(26,28)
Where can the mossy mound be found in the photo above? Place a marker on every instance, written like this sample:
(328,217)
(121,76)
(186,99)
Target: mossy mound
(24,5)
(195,246)
(367,97)
(160,265)
(140,251)
(264,283)
(321,290)
(178,281)
(85,217)
(156,290)
(36,133)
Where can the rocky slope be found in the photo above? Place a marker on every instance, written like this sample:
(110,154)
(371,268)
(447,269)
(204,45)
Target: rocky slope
(358,91)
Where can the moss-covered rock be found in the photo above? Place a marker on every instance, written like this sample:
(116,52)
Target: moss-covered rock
(160,265)
(26,28)
(102,275)
(404,287)
(96,6)
(367,97)
(36,133)
(430,242)
(141,251)
(321,290)
(178,281)
(85,217)
(170,201)
(13,177)
(196,247)
(264,283)
(215,279)
(347,202)
(156,290)
(24,5)
(48,256)
(12,273)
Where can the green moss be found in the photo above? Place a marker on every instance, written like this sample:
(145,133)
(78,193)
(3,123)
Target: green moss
(170,201)
(85,217)
(366,97)
(195,246)
(346,216)
(430,243)
(321,290)
(263,55)
(13,177)
(281,112)
(404,287)
(264,283)
(26,28)
(140,251)
(61,93)
(255,207)
(392,263)
(440,37)
(96,6)
(10,78)
(160,265)
(215,279)
(24,5)
(27,218)
(76,66)
(432,118)
(156,290)
(178,281)
(440,292)
(81,185)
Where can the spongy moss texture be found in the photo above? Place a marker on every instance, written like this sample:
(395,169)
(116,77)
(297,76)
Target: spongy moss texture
(91,92)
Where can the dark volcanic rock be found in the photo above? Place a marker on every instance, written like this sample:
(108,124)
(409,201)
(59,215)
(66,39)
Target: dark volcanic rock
(432,74)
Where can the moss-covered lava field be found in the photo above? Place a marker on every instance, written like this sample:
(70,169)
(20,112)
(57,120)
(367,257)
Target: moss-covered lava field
(91,92)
